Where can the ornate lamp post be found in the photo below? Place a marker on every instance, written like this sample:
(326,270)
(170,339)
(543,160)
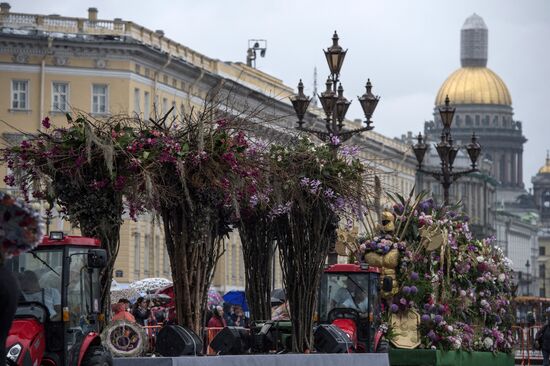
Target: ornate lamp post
(335,106)
(447,152)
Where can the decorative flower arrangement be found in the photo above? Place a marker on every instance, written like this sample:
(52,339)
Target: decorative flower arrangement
(339,181)
(461,287)
(20,228)
(381,245)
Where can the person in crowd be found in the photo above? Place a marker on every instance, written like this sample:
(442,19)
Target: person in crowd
(228,311)
(217,320)
(9,292)
(141,311)
(207,316)
(120,313)
(126,303)
(32,291)
(281,312)
(543,339)
(238,319)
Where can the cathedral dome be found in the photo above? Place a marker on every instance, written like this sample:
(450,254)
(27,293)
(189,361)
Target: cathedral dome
(546,168)
(474,85)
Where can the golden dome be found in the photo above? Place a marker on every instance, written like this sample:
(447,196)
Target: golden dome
(474,85)
(546,168)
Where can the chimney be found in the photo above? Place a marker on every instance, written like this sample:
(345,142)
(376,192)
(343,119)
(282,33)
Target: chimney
(92,14)
(5,8)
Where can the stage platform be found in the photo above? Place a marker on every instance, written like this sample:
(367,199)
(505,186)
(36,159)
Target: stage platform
(352,359)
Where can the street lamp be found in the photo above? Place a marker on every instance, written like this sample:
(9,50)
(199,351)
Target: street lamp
(447,151)
(335,106)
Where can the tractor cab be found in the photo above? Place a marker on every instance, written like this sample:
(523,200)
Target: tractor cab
(56,322)
(349,299)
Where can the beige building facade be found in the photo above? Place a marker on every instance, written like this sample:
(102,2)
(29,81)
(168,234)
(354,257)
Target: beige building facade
(50,65)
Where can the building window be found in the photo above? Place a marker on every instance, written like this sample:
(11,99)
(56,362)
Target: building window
(119,273)
(146,105)
(147,72)
(137,108)
(99,98)
(137,258)
(60,97)
(165,79)
(182,87)
(157,255)
(542,251)
(138,68)
(166,262)
(164,106)
(146,243)
(19,94)
(174,83)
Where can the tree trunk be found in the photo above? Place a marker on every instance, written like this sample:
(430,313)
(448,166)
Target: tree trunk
(305,235)
(194,247)
(257,241)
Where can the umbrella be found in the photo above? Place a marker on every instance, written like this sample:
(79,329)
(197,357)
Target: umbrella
(214,298)
(20,229)
(124,293)
(159,299)
(236,298)
(278,294)
(148,285)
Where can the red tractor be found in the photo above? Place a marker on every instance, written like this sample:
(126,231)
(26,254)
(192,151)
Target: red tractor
(56,323)
(349,299)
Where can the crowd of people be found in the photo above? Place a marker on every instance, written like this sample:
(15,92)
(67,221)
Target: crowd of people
(142,312)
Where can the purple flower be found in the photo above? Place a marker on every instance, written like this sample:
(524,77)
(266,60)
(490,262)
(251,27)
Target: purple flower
(414,276)
(398,209)
(438,319)
(46,122)
(425,318)
(434,337)
(406,290)
(394,308)
(403,301)
(414,290)
(427,307)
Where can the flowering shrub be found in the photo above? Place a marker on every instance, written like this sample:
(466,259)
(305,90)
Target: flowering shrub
(462,288)
(20,229)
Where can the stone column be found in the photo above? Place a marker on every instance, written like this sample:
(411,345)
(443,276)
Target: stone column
(520,168)
(513,166)
(507,168)
(496,165)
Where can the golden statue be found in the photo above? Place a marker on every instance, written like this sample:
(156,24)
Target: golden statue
(386,262)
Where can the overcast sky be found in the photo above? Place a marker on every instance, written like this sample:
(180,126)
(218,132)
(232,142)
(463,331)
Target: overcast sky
(407,48)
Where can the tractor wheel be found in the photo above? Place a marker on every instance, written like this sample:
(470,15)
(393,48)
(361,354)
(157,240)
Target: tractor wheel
(97,356)
(125,339)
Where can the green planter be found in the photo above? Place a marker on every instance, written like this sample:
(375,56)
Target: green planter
(427,357)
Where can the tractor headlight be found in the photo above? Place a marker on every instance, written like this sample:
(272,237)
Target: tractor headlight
(14,353)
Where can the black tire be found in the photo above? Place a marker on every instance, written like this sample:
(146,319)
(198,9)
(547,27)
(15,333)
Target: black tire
(97,356)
